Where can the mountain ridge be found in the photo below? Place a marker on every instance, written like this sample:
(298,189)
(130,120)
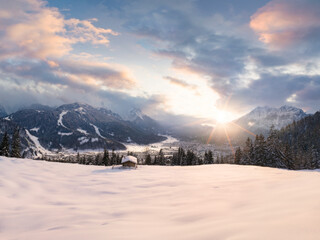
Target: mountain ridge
(79,126)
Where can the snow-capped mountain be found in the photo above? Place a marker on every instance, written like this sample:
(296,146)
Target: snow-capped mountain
(143,121)
(79,126)
(261,119)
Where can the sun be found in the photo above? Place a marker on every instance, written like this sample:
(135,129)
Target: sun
(223,117)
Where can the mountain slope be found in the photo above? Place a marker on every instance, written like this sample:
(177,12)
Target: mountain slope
(143,121)
(80,126)
(261,119)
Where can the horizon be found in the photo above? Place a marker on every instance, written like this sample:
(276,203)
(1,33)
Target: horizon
(200,59)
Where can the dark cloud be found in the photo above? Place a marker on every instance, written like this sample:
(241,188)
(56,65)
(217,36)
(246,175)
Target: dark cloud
(276,90)
(223,58)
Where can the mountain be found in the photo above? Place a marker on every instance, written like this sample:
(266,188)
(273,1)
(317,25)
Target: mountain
(296,146)
(79,126)
(143,122)
(3,112)
(261,119)
(27,145)
(258,121)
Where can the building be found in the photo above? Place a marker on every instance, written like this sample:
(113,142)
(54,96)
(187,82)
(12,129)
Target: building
(129,161)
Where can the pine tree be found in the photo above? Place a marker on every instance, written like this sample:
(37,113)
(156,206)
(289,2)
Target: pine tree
(155,161)
(218,159)
(78,157)
(4,147)
(16,144)
(113,158)
(148,159)
(238,156)
(161,158)
(259,150)
(118,159)
(247,154)
(210,157)
(97,160)
(105,158)
(174,160)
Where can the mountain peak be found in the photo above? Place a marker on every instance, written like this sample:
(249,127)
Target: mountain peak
(260,119)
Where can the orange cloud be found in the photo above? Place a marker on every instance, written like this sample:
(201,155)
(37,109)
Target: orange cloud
(282,23)
(38,41)
(32,29)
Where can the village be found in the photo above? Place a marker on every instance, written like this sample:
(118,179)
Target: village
(168,148)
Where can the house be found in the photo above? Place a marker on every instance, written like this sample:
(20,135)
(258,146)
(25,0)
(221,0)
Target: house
(129,161)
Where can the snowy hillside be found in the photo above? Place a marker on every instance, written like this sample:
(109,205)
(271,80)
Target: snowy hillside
(78,126)
(261,119)
(45,200)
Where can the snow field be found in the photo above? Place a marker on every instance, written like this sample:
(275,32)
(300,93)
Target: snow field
(45,200)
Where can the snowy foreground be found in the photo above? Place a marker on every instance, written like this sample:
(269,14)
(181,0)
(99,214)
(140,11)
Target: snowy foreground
(44,200)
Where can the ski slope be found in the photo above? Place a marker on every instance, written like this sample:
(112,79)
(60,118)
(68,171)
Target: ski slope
(46,200)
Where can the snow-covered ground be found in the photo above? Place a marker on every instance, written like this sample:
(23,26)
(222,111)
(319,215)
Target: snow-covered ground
(45,200)
(134,147)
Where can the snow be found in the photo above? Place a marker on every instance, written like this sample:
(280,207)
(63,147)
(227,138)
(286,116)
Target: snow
(265,117)
(7,118)
(61,118)
(80,110)
(36,142)
(129,140)
(35,129)
(83,140)
(94,140)
(97,130)
(65,134)
(129,159)
(82,131)
(46,200)
(134,147)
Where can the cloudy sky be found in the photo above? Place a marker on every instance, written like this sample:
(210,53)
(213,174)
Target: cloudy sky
(200,58)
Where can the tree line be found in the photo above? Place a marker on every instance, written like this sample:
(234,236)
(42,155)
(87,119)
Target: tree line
(13,149)
(297,146)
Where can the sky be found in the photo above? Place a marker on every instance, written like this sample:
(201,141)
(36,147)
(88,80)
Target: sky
(207,59)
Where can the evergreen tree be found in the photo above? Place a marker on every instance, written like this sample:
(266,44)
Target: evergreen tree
(4,147)
(113,158)
(219,159)
(155,162)
(148,159)
(259,151)
(238,156)
(210,157)
(78,157)
(97,160)
(16,144)
(105,158)
(118,159)
(161,158)
(181,157)
(315,158)
(174,160)
(191,158)
(205,159)
(247,154)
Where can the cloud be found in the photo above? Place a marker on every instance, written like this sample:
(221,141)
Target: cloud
(180,83)
(37,59)
(32,29)
(283,23)
(280,89)
(177,35)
